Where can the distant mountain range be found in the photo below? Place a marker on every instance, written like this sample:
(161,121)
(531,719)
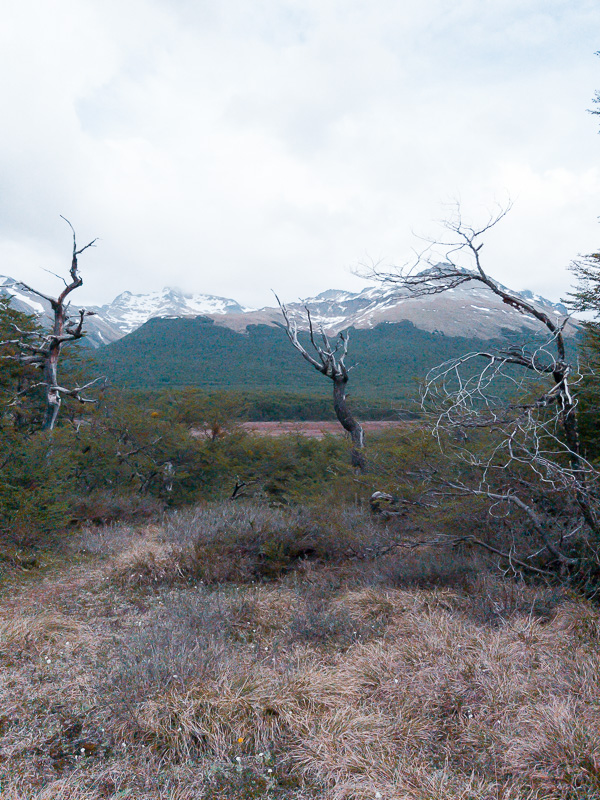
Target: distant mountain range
(470,311)
(127,312)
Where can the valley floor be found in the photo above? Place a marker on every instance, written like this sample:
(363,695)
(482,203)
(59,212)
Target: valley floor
(127,674)
(317,430)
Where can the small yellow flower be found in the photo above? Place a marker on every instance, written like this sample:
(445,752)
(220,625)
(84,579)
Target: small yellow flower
(240,740)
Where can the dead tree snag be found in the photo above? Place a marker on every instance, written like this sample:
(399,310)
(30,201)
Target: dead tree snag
(329,360)
(42,349)
(522,453)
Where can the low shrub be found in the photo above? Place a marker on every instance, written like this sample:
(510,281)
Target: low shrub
(495,602)
(321,622)
(244,543)
(186,639)
(430,567)
(102,507)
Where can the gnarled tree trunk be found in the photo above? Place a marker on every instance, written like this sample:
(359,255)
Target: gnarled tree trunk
(349,422)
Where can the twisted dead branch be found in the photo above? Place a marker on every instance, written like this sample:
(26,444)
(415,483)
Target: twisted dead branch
(500,440)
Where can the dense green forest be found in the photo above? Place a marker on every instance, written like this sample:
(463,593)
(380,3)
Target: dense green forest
(389,360)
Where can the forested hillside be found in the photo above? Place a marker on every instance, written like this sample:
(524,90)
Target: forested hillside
(389,359)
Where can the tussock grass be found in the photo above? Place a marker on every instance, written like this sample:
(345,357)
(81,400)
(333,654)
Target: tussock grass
(249,542)
(23,634)
(332,680)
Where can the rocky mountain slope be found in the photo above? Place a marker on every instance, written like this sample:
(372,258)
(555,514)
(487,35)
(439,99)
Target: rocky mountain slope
(470,310)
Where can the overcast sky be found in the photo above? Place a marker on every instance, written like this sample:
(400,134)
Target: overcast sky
(234,147)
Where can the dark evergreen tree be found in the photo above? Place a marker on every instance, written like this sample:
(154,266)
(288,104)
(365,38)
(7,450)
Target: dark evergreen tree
(586,297)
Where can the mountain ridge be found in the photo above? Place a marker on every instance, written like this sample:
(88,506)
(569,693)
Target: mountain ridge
(469,310)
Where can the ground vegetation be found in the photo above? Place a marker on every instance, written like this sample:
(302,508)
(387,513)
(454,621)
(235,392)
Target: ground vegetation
(237,650)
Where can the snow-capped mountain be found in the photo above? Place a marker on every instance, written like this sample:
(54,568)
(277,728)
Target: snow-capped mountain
(99,330)
(22,300)
(128,311)
(469,310)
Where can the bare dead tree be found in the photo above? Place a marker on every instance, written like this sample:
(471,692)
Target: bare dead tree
(329,360)
(534,436)
(42,349)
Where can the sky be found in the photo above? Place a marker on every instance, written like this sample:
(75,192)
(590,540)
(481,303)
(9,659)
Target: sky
(236,148)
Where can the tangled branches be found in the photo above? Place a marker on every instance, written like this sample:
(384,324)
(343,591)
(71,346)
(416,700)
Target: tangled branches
(510,415)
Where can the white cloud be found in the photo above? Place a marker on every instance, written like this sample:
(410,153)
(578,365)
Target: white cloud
(234,147)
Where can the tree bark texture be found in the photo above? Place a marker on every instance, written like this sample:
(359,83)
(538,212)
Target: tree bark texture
(349,422)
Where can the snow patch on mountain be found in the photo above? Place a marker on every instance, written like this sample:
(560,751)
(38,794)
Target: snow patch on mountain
(466,310)
(22,300)
(128,311)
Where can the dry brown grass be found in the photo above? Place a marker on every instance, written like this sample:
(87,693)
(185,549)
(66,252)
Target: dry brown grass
(247,542)
(309,687)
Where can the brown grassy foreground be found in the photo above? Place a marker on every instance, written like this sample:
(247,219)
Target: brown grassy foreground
(242,652)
